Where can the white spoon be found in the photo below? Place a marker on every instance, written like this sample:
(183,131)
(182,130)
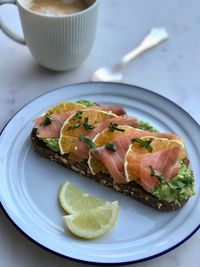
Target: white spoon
(114,73)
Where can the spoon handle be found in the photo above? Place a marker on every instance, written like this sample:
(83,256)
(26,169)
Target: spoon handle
(155,36)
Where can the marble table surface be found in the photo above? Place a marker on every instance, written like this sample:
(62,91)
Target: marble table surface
(172,70)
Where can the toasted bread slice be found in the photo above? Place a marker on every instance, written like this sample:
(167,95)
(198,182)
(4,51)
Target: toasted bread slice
(130,189)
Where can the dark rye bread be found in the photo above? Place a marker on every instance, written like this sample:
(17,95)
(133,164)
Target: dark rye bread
(130,189)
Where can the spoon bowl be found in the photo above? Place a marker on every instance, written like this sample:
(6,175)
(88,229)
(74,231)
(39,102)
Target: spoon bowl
(111,74)
(114,73)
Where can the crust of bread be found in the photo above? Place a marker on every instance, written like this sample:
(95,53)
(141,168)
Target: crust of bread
(130,189)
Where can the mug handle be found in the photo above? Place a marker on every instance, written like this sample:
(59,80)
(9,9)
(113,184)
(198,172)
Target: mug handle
(6,30)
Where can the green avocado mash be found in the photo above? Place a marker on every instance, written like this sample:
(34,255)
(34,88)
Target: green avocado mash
(87,103)
(52,143)
(146,127)
(179,188)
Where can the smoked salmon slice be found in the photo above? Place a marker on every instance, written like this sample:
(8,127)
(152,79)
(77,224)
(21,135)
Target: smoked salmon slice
(49,127)
(120,120)
(114,161)
(81,149)
(163,163)
(52,130)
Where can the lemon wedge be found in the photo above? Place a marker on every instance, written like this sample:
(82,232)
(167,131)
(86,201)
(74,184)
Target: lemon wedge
(74,201)
(89,216)
(93,223)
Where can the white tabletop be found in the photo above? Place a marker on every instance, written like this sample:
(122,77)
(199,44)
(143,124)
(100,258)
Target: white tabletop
(172,70)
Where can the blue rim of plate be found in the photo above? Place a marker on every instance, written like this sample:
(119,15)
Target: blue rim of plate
(92,262)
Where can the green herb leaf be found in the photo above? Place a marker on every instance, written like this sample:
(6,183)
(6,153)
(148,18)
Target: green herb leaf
(143,143)
(74,126)
(78,115)
(111,147)
(156,175)
(180,184)
(46,121)
(88,141)
(114,126)
(86,125)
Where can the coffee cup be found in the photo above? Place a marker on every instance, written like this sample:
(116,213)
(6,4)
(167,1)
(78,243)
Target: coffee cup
(59,40)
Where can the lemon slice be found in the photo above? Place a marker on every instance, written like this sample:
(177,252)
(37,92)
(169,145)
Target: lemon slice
(80,124)
(101,139)
(93,223)
(74,201)
(64,107)
(156,144)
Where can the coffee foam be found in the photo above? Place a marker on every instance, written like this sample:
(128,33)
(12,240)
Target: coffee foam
(55,7)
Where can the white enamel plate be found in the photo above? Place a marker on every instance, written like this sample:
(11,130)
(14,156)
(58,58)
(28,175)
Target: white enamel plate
(30,183)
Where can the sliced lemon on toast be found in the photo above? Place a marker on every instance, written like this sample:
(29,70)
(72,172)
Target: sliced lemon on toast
(157,144)
(80,124)
(64,107)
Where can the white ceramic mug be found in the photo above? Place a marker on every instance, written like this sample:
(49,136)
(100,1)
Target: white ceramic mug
(56,42)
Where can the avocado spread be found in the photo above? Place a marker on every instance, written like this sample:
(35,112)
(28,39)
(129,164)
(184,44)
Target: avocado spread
(179,188)
(52,143)
(146,127)
(87,103)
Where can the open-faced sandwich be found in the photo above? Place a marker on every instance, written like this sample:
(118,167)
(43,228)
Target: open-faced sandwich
(116,150)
